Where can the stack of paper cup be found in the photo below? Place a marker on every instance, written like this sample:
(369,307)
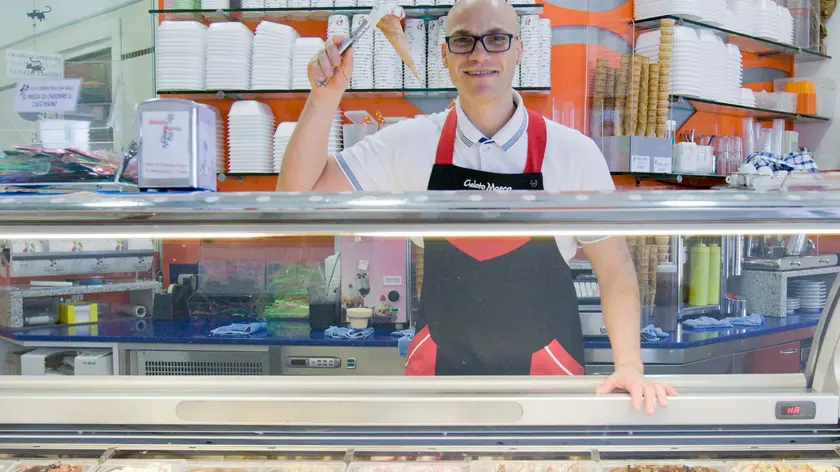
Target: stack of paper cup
(255,4)
(303,51)
(407,3)
(545,52)
(444,2)
(531,66)
(181,55)
(344,3)
(516,77)
(302,4)
(276,3)
(250,129)
(366,3)
(338,25)
(321,3)
(415,31)
(438,75)
(387,65)
(272,60)
(362,57)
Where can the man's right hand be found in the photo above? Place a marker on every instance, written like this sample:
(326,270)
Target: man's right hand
(330,66)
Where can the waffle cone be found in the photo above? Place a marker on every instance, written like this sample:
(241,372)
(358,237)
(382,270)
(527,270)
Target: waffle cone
(391,26)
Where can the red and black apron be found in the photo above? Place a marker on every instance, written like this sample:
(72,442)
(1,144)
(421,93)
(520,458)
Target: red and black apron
(495,306)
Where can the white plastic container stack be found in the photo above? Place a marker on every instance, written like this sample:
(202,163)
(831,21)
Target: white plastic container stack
(336,139)
(362,57)
(415,31)
(180,55)
(250,132)
(229,51)
(272,56)
(303,51)
(281,142)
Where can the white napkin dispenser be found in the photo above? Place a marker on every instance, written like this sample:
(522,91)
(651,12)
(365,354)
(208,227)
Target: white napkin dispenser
(178,145)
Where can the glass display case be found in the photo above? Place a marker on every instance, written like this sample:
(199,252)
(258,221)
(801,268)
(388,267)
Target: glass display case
(756,381)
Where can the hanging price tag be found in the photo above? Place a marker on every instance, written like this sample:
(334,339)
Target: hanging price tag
(639,163)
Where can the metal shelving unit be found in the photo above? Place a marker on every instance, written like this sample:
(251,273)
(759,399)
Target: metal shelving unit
(349,94)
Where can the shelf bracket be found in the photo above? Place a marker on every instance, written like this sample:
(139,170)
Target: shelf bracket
(349,455)
(107,455)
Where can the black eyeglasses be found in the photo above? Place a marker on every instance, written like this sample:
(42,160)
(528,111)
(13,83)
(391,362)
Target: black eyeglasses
(492,42)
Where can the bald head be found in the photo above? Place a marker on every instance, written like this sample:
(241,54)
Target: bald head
(497,14)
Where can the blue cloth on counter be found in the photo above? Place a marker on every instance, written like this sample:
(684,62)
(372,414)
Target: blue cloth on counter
(405,336)
(651,333)
(335,332)
(795,161)
(239,329)
(747,321)
(707,322)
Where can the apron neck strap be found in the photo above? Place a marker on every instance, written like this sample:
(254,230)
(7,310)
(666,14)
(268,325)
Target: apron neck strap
(537,138)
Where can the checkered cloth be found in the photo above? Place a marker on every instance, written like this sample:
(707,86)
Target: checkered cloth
(795,161)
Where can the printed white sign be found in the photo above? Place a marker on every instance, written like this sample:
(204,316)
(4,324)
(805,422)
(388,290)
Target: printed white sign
(39,96)
(662,165)
(639,163)
(166,145)
(34,65)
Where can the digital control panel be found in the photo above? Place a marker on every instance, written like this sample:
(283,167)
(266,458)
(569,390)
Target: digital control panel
(796,410)
(314,362)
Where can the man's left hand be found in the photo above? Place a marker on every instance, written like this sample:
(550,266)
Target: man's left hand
(640,389)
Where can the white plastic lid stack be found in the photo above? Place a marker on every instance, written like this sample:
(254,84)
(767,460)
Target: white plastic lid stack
(281,142)
(180,57)
(545,52)
(387,65)
(229,51)
(437,71)
(250,137)
(362,57)
(303,51)
(531,65)
(415,32)
(272,56)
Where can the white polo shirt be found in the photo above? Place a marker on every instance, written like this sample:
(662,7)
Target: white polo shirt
(401,156)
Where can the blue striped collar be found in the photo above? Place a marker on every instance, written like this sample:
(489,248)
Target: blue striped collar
(506,137)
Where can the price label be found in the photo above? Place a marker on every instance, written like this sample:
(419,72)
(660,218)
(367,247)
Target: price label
(639,163)
(663,165)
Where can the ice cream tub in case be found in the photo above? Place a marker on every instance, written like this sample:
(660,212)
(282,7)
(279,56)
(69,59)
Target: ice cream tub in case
(324,466)
(47,465)
(231,466)
(533,466)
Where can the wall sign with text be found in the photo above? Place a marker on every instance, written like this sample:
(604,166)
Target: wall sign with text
(34,65)
(37,96)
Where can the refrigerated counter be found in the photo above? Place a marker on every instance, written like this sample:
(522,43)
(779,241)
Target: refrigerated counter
(395,424)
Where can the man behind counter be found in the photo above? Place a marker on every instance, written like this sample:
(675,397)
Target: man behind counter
(506,308)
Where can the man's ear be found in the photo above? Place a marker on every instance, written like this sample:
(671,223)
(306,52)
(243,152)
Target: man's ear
(443,54)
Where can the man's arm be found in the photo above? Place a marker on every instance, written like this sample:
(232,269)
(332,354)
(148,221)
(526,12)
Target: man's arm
(306,164)
(620,302)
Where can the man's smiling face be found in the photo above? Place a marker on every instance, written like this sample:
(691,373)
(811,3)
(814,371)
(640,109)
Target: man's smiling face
(482,74)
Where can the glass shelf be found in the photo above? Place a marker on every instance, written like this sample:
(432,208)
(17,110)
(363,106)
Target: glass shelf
(747,43)
(308,14)
(351,93)
(719,108)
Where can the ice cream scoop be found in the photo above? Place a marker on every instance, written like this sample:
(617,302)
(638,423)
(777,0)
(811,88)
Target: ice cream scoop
(388,18)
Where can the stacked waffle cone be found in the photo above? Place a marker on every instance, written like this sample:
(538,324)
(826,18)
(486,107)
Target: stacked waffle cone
(622,77)
(641,125)
(631,112)
(418,267)
(600,94)
(653,101)
(666,56)
(647,253)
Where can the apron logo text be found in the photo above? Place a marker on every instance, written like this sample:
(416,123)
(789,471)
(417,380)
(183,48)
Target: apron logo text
(489,186)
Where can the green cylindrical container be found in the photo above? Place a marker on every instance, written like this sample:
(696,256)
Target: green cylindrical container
(698,283)
(713,298)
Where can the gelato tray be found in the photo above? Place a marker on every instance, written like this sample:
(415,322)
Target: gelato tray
(533,466)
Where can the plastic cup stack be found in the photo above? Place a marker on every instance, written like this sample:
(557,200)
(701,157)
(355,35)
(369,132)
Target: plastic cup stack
(415,31)
(362,57)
